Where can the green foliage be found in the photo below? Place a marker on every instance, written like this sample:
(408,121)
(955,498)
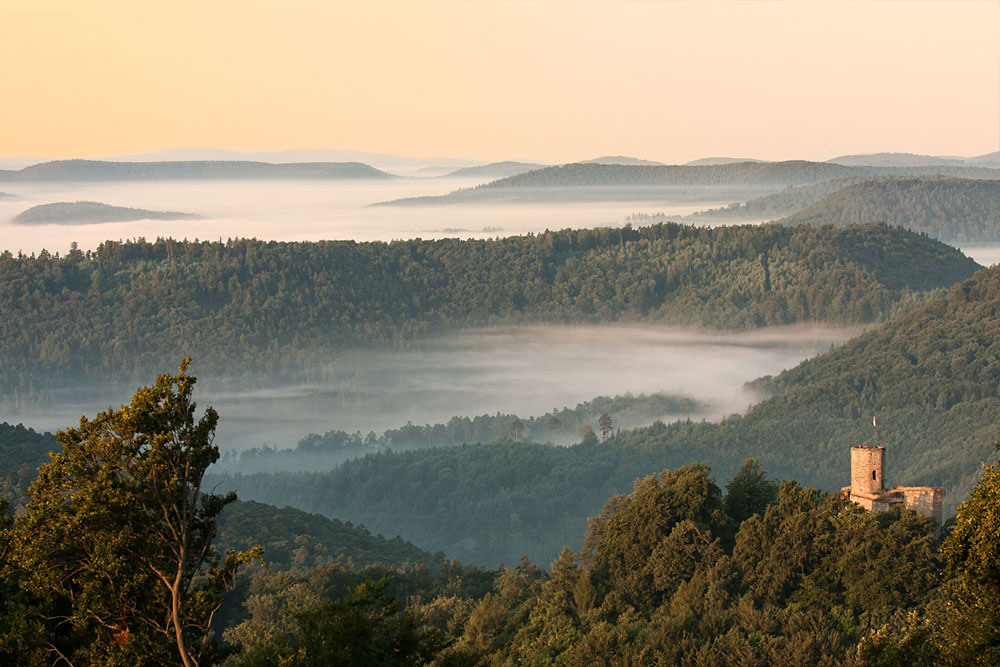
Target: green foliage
(296,540)
(253,307)
(802,584)
(749,492)
(648,541)
(22,450)
(971,628)
(366,628)
(961,624)
(114,551)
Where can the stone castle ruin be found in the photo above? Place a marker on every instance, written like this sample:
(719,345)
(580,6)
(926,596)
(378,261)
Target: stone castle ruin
(868,486)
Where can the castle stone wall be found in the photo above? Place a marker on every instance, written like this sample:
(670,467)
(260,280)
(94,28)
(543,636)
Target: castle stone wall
(925,500)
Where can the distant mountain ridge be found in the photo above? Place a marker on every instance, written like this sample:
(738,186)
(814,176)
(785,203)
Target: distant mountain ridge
(494,170)
(897,160)
(710,161)
(622,160)
(89,212)
(94,170)
(600,182)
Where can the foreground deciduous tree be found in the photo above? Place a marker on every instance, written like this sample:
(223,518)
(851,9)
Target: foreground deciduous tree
(115,549)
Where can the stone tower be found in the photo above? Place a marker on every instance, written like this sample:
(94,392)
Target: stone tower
(867,466)
(868,486)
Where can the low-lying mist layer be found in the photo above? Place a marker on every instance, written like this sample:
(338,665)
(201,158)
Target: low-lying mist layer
(525,371)
(303,211)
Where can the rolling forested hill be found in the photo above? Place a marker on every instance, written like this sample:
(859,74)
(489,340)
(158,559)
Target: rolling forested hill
(770,207)
(96,170)
(930,377)
(950,210)
(89,212)
(127,309)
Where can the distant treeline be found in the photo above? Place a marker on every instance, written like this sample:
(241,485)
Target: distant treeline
(565,426)
(255,307)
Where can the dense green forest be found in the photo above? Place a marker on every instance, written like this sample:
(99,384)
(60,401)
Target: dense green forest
(255,307)
(674,572)
(96,170)
(320,452)
(950,210)
(930,376)
(88,212)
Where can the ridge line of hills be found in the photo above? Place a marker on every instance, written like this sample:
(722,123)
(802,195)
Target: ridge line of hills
(97,170)
(596,181)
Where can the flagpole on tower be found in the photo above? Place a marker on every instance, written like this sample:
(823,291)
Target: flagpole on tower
(875,426)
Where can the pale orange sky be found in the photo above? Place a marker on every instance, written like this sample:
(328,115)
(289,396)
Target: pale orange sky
(550,81)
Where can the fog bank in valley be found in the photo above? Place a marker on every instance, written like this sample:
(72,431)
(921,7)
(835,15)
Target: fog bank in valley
(525,371)
(297,211)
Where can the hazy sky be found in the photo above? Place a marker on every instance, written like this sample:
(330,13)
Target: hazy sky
(551,81)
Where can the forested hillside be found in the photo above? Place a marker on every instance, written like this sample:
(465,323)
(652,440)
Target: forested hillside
(950,210)
(770,207)
(930,377)
(252,306)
